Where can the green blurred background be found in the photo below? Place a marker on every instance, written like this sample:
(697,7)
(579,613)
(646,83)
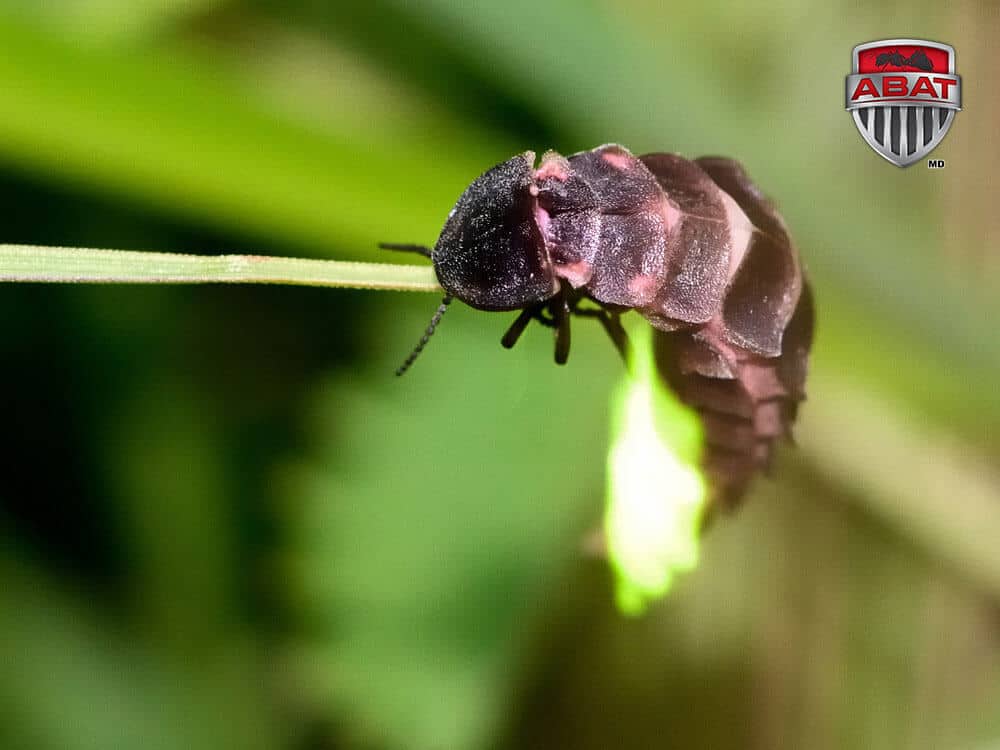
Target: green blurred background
(224,524)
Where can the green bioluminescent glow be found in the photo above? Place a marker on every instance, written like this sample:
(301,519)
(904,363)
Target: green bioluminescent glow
(655,490)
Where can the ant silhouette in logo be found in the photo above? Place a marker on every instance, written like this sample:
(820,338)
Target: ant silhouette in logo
(897,59)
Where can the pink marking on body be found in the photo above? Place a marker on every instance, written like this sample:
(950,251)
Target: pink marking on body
(643,287)
(760,378)
(768,420)
(713,334)
(671,214)
(542,219)
(553,167)
(577,273)
(618,160)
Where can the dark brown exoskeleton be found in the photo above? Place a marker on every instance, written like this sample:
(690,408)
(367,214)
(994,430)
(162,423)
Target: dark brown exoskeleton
(692,246)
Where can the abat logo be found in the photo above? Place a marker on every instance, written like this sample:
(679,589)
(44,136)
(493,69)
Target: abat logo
(903,95)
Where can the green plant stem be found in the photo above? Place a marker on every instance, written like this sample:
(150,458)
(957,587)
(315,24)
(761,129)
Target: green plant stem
(72,265)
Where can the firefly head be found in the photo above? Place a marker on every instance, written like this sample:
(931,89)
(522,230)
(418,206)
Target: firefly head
(491,254)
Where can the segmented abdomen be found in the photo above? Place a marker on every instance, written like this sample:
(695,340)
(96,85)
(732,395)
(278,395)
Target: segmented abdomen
(744,370)
(747,402)
(697,249)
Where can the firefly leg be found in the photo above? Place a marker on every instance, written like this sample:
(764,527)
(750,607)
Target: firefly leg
(406,248)
(517,327)
(548,322)
(559,308)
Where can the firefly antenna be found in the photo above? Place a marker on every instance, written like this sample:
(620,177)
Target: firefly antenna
(435,319)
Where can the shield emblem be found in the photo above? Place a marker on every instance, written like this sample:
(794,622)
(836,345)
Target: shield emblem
(903,95)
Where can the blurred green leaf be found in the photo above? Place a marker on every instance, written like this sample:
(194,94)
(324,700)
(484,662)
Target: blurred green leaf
(426,571)
(71,679)
(164,128)
(109,21)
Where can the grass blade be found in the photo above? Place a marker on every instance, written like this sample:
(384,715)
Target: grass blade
(72,265)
